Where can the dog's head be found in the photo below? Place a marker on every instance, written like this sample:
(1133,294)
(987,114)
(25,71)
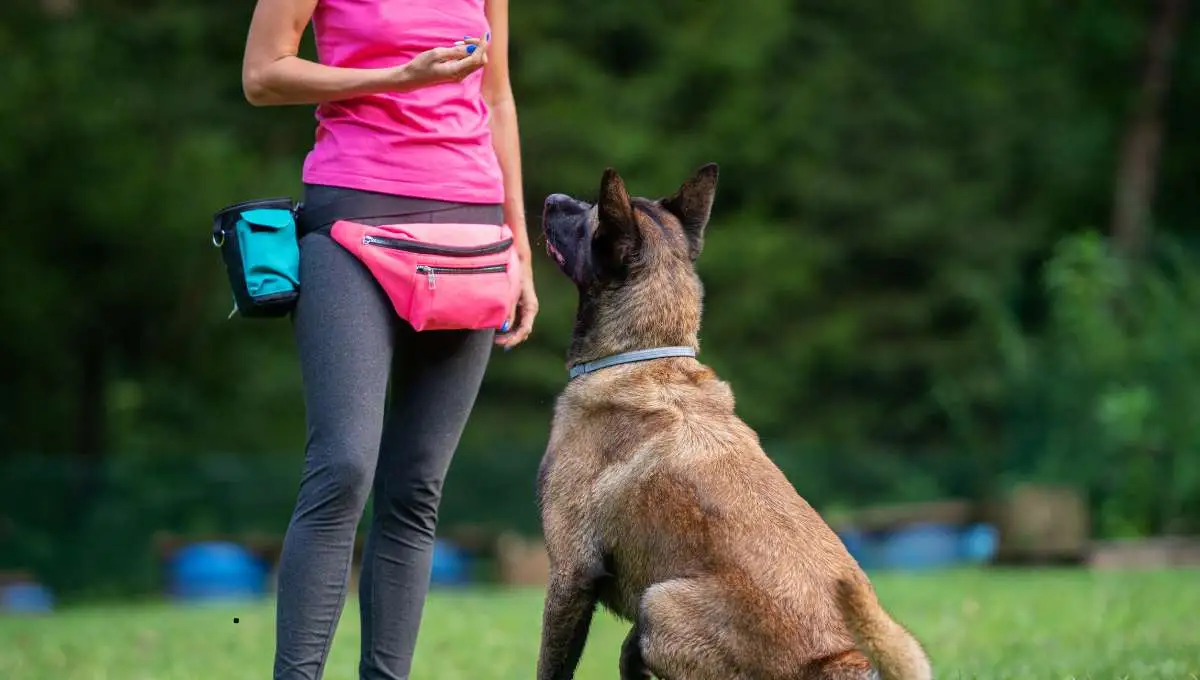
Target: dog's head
(633,262)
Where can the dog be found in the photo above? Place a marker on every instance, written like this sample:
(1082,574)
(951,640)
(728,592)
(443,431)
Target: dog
(657,500)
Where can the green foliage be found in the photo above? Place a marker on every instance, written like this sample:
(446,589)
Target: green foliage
(1104,396)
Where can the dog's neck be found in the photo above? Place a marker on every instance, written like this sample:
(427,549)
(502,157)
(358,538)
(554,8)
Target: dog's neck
(603,331)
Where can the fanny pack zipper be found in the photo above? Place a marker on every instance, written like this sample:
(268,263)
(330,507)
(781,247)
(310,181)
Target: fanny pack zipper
(428,249)
(432,272)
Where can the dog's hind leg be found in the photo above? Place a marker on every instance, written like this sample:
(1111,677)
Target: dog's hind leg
(680,636)
(633,666)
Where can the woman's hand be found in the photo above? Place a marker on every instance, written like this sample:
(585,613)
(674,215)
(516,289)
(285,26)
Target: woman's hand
(520,325)
(443,64)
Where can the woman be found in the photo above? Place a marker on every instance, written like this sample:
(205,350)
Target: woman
(416,123)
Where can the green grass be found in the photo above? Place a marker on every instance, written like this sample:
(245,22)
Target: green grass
(1018,625)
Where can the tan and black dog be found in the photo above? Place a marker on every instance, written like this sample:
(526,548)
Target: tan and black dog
(657,500)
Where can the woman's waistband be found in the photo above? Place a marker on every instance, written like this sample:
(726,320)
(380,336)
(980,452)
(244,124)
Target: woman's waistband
(323,205)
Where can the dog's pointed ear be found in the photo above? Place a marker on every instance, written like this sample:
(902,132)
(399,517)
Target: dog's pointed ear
(692,205)
(616,231)
(614,204)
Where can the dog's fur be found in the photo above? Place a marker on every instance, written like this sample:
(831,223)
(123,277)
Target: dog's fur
(657,500)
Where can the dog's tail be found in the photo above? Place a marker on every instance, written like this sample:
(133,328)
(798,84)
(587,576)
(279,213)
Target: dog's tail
(893,651)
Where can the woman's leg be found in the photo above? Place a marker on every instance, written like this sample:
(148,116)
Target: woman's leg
(435,379)
(344,331)
(345,328)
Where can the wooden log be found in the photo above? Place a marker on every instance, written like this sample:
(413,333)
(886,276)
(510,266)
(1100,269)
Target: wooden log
(1146,553)
(1041,524)
(266,547)
(522,561)
(15,577)
(886,518)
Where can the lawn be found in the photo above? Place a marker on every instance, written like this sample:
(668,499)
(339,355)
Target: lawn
(1019,625)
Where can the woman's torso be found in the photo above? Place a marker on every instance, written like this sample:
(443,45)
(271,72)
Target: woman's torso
(432,142)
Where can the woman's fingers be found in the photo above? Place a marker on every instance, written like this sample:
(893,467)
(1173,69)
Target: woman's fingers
(460,50)
(527,310)
(455,53)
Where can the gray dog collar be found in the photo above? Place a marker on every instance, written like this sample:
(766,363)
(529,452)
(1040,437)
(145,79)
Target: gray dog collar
(629,358)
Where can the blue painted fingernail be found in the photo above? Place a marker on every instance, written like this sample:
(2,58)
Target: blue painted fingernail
(470,49)
(504,328)
(487,36)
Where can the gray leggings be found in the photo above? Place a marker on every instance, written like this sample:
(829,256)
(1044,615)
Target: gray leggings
(352,346)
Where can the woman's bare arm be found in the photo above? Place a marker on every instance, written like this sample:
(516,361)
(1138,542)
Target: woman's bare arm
(497,92)
(272,74)
(506,139)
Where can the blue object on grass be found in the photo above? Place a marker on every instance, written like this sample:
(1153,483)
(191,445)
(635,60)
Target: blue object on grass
(450,565)
(860,546)
(26,598)
(216,571)
(978,543)
(920,546)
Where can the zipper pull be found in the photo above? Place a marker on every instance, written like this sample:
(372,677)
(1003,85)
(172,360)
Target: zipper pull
(430,274)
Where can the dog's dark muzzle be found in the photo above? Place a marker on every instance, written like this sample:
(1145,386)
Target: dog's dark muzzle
(564,225)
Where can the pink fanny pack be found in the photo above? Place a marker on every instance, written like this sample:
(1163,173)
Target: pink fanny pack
(440,276)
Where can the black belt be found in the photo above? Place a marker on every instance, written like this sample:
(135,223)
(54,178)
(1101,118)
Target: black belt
(364,206)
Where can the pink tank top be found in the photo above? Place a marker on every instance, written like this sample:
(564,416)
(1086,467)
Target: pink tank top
(433,142)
